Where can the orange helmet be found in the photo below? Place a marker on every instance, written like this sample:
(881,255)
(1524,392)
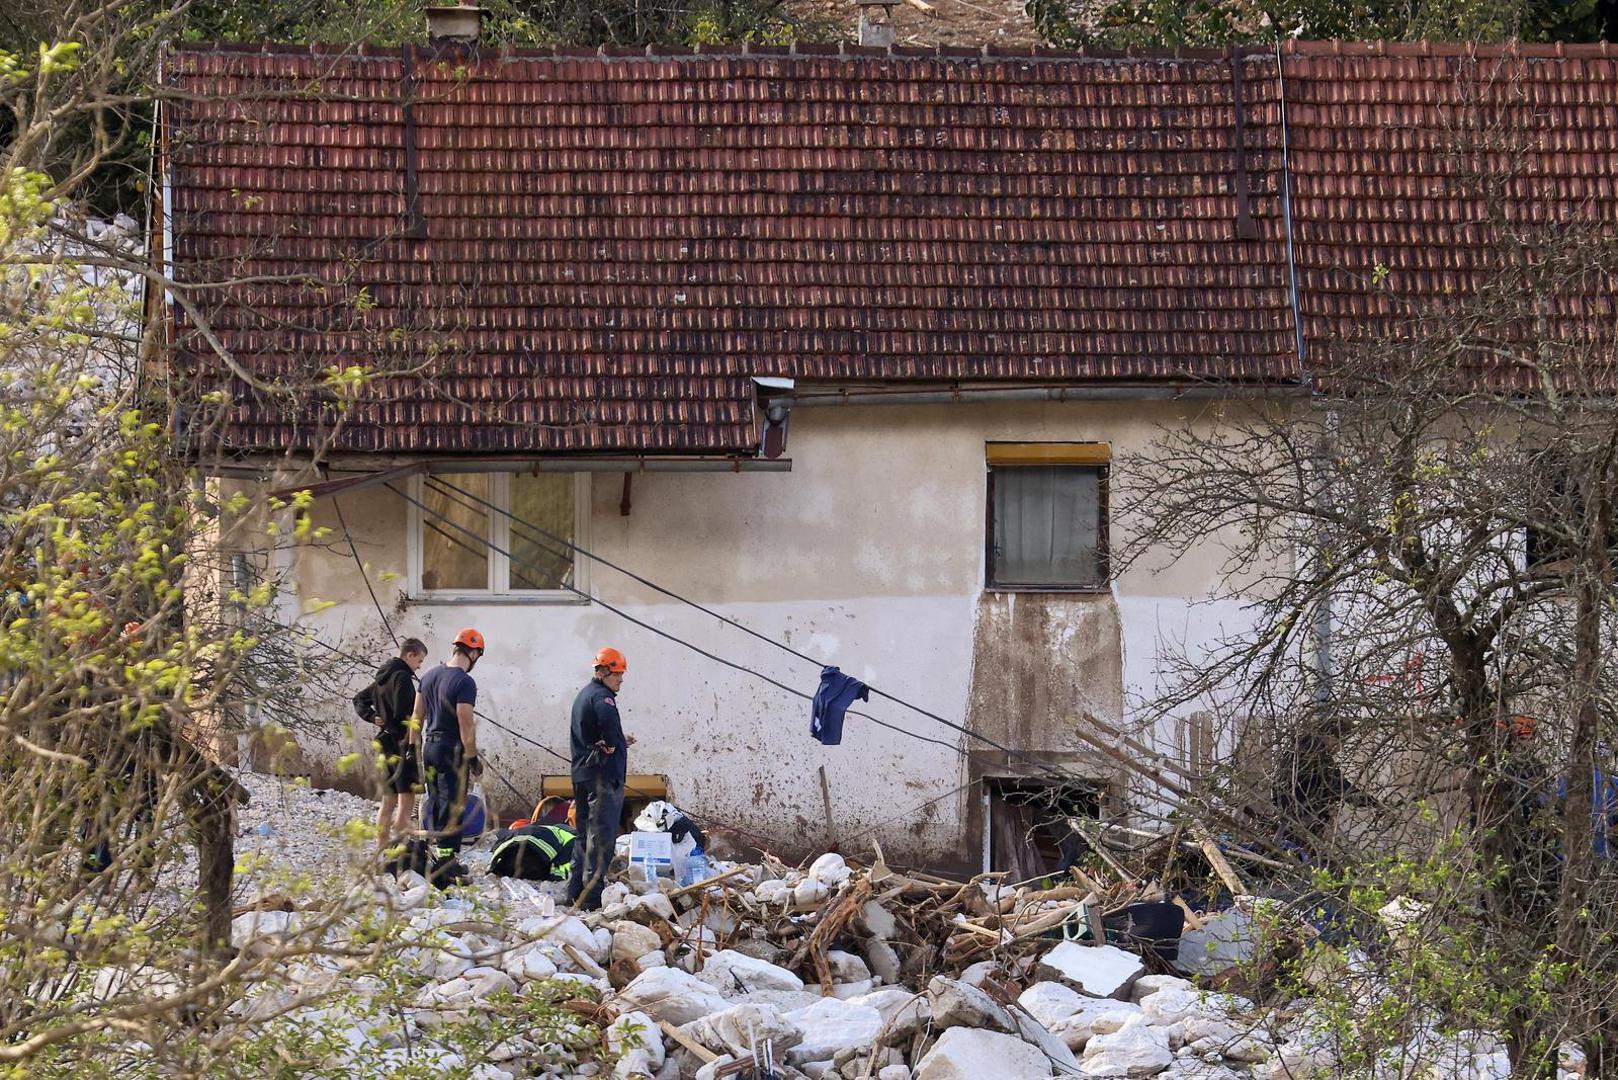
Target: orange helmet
(470,638)
(612,660)
(1519,725)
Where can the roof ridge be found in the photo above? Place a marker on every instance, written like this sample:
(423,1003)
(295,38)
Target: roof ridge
(803,50)
(1557,50)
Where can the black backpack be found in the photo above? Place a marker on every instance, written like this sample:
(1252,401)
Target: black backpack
(365,704)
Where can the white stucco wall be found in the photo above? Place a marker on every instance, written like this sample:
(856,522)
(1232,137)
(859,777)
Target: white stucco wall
(868,554)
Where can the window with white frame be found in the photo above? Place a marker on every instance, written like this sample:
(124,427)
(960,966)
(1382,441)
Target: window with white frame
(498,534)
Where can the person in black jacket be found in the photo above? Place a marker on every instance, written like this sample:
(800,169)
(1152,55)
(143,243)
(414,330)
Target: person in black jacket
(600,765)
(392,698)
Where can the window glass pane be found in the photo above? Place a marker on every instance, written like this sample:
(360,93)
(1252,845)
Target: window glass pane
(545,501)
(1047,525)
(450,559)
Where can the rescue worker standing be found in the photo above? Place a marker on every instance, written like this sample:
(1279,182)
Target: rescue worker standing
(600,762)
(447,727)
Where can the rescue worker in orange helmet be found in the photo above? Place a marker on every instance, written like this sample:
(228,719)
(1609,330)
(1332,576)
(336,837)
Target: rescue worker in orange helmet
(447,727)
(600,763)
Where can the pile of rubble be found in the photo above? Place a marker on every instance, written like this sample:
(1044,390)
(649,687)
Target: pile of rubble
(838,971)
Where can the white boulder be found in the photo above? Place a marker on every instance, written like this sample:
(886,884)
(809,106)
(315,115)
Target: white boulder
(1098,1016)
(846,967)
(1136,1049)
(561,930)
(955,1004)
(1147,985)
(903,1012)
(809,894)
(466,991)
(528,963)
(877,921)
(738,1029)
(830,870)
(969,1054)
(667,993)
(733,973)
(259,933)
(635,1036)
(1174,1006)
(631,940)
(830,1025)
(1101,971)
(1051,1002)
(1055,1050)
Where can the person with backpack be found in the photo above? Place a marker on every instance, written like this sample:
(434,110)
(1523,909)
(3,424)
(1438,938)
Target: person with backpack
(445,705)
(389,703)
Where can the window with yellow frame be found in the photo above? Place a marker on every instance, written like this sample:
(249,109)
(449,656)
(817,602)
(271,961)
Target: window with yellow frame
(1047,516)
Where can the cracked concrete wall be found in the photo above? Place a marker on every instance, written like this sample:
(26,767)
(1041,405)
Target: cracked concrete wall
(869,555)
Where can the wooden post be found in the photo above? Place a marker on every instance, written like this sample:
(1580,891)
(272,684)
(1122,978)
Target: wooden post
(825,798)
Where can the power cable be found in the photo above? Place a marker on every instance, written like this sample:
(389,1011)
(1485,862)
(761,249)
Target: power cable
(630,788)
(622,614)
(365,577)
(519,736)
(1008,751)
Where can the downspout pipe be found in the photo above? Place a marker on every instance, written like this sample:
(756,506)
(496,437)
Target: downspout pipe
(1325,667)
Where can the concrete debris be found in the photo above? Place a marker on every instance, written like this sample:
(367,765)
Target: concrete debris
(830,1025)
(841,971)
(667,993)
(1101,1016)
(733,973)
(1136,1049)
(738,1029)
(955,1004)
(966,1054)
(1105,971)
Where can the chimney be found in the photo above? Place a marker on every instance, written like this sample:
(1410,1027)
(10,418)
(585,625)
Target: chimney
(876,22)
(462,23)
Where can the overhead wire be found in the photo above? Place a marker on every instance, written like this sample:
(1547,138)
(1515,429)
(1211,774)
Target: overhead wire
(731,826)
(441,485)
(630,788)
(643,624)
(1050,769)
(364,576)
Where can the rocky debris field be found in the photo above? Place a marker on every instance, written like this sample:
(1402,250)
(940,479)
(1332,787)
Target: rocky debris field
(832,972)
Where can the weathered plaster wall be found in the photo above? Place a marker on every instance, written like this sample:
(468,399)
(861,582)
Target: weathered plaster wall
(869,555)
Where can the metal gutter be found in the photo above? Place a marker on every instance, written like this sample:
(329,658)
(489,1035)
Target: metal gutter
(393,469)
(1034,393)
(608,465)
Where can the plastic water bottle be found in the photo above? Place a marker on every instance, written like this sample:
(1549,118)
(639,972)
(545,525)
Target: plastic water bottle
(696,867)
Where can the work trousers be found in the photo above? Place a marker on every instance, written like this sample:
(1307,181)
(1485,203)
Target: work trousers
(599,803)
(445,762)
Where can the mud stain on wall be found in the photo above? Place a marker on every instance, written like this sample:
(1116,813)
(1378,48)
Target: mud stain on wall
(1042,664)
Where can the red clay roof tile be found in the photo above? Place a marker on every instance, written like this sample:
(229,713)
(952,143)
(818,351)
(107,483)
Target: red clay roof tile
(613,247)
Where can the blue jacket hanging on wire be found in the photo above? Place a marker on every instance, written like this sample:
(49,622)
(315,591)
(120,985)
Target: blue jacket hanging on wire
(837,692)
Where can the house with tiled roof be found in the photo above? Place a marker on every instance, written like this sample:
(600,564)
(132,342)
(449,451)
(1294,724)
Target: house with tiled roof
(842,344)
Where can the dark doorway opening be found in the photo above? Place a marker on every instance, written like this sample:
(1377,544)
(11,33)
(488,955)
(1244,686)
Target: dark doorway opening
(1025,825)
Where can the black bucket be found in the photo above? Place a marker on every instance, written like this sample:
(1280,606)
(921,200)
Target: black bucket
(1153,929)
